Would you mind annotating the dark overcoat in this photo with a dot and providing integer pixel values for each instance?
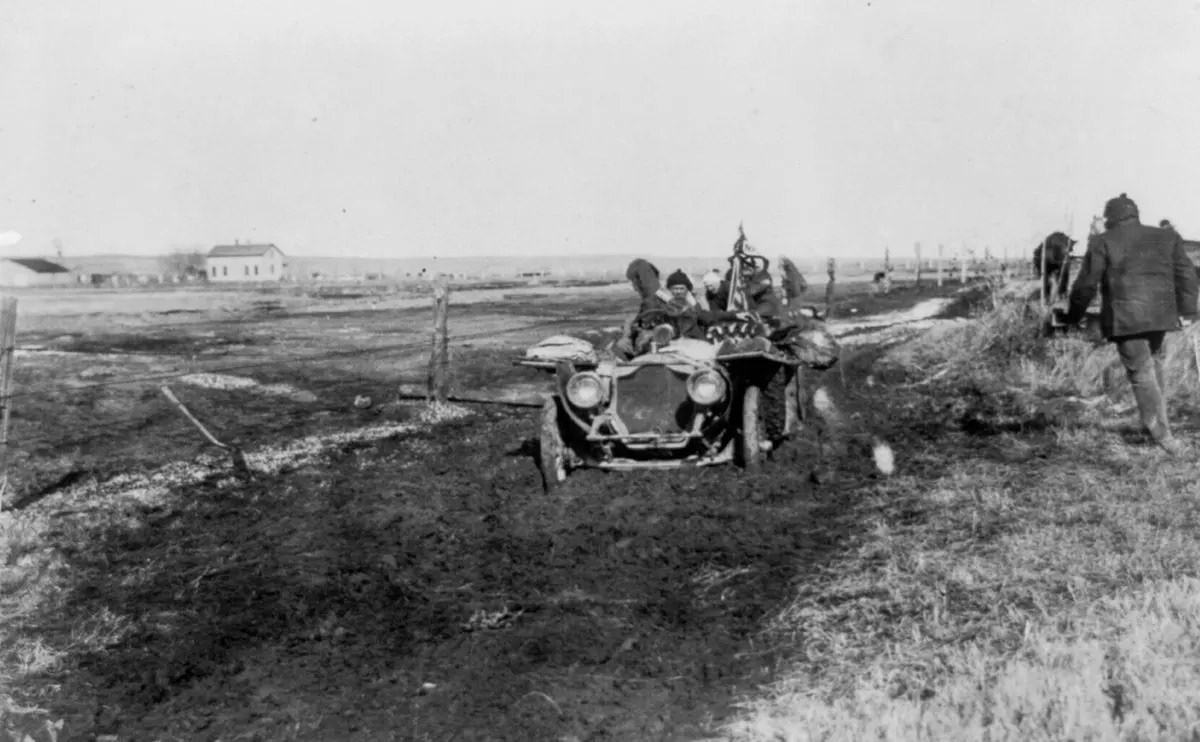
(1146, 281)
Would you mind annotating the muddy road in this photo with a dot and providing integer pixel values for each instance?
(417, 585)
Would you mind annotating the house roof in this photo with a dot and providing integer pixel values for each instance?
(37, 265)
(241, 251)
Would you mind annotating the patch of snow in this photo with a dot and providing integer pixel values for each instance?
(927, 309)
(311, 448)
(228, 381)
(899, 331)
(437, 412)
(153, 488)
(218, 381)
(885, 460)
(824, 404)
(40, 352)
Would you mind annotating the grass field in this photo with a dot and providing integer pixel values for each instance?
(1031, 575)
(395, 572)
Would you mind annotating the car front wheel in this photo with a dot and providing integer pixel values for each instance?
(753, 436)
(552, 455)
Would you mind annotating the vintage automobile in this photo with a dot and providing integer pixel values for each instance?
(668, 400)
(687, 403)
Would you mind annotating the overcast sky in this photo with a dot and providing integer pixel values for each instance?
(386, 128)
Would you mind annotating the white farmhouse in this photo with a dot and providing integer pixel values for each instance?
(238, 262)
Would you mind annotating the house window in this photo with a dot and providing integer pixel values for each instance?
(272, 268)
(256, 270)
(246, 269)
(224, 270)
(214, 271)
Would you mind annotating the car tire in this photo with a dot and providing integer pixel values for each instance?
(775, 409)
(794, 404)
(552, 454)
(752, 435)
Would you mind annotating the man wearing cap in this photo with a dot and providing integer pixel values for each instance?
(1147, 286)
(682, 306)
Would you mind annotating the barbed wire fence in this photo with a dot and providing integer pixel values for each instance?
(83, 432)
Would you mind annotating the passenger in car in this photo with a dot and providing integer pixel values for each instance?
(761, 297)
(683, 308)
(716, 291)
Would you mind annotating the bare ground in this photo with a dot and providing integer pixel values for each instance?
(404, 580)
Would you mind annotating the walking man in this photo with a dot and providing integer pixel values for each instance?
(1148, 287)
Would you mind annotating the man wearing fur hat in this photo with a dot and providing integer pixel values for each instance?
(682, 306)
(1147, 286)
(673, 306)
(680, 287)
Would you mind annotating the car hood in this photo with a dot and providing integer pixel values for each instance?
(683, 356)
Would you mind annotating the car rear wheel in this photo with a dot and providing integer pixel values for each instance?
(753, 435)
(778, 405)
(552, 455)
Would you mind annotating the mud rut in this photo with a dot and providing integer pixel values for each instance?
(448, 598)
(425, 588)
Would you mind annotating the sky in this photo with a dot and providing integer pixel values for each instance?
(390, 129)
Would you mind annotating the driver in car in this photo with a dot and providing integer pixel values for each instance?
(644, 277)
(665, 312)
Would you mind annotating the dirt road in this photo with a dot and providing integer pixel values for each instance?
(397, 574)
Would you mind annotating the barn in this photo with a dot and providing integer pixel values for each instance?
(244, 262)
(32, 272)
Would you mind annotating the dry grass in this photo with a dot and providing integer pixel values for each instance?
(24, 566)
(1013, 583)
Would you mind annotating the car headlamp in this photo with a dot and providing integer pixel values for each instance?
(706, 387)
(585, 390)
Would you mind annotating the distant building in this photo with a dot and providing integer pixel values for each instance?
(237, 262)
(20, 272)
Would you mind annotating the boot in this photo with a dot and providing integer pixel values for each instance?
(1172, 445)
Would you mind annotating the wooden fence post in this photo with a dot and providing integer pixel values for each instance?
(1042, 276)
(8, 341)
(439, 359)
(962, 264)
(831, 268)
(917, 249)
(941, 248)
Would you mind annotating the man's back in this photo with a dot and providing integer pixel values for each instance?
(1147, 285)
(1141, 271)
